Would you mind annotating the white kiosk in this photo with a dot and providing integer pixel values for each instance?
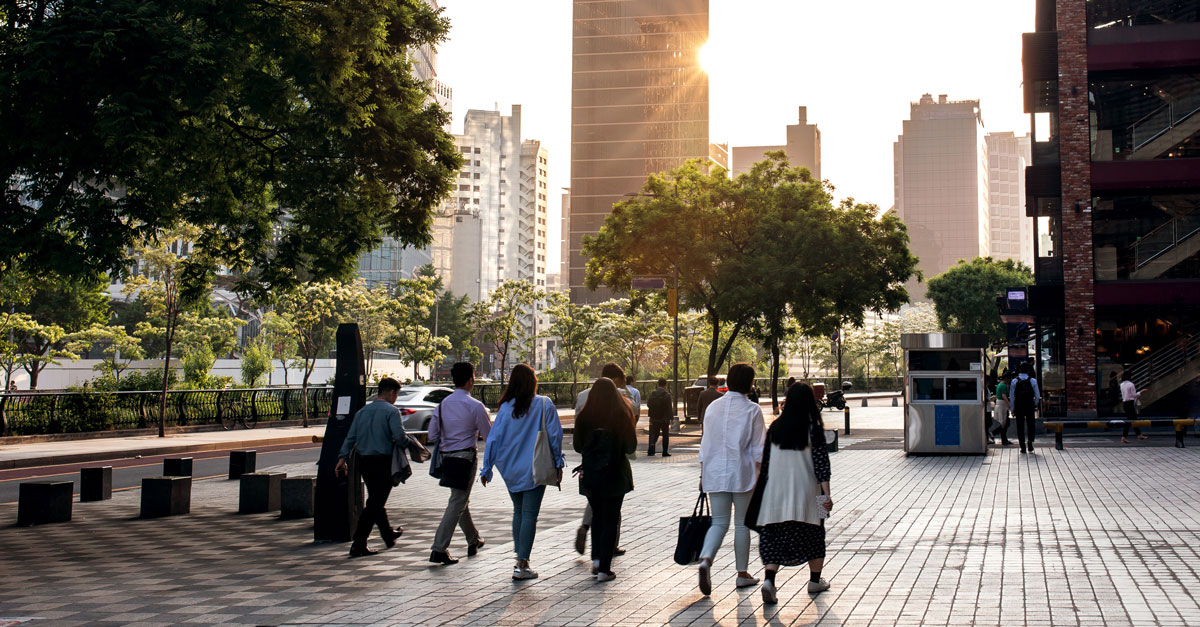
(944, 396)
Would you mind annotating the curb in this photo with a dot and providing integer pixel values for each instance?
(75, 458)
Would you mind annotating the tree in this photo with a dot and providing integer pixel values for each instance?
(370, 308)
(630, 336)
(295, 131)
(965, 295)
(500, 320)
(575, 326)
(201, 340)
(65, 306)
(450, 318)
(38, 346)
(278, 335)
(118, 347)
(409, 308)
(693, 328)
(915, 318)
(315, 311)
(256, 363)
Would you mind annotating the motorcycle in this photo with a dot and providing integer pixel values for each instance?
(837, 398)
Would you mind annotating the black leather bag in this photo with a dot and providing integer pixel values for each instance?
(692, 530)
(457, 472)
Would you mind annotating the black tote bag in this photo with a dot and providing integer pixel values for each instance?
(692, 530)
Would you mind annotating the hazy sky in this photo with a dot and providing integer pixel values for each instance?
(856, 65)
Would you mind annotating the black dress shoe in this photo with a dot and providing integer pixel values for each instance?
(474, 547)
(619, 552)
(442, 557)
(360, 551)
(390, 541)
(666, 454)
(650, 454)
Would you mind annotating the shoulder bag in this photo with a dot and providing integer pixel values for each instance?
(692, 530)
(435, 451)
(545, 470)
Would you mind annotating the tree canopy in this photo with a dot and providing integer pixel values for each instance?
(965, 295)
(294, 131)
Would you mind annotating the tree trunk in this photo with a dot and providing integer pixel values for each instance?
(172, 317)
(775, 376)
(737, 328)
(715, 322)
(304, 389)
(283, 362)
(416, 370)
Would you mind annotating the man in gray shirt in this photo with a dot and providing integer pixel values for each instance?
(376, 429)
(458, 423)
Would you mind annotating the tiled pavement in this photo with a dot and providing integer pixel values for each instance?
(1087, 536)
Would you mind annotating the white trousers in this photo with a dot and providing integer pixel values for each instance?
(723, 504)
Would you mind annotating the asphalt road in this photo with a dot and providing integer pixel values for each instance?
(128, 472)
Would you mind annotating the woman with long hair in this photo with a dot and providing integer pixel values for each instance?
(604, 436)
(792, 497)
(510, 447)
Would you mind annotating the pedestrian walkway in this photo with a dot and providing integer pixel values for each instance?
(1087, 536)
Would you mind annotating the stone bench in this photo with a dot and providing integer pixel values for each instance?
(260, 492)
(166, 496)
(241, 462)
(41, 502)
(95, 483)
(297, 496)
(177, 467)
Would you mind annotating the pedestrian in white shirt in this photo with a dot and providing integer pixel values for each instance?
(1129, 397)
(730, 454)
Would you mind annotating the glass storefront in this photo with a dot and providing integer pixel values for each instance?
(1051, 366)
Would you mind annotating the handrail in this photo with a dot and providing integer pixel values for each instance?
(1189, 105)
(1165, 360)
(1177, 235)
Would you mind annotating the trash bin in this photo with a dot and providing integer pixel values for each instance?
(944, 396)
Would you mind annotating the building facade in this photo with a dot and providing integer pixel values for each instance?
(941, 184)
(803, 148)
(1113, 88)
(1012, 232)
(639, 105)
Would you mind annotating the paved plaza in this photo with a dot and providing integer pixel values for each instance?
(1094, 535)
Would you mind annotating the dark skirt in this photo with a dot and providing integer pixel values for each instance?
(791, 543)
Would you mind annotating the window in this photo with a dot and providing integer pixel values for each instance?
(961, 389)
(476, 188)
(436, 396)
(928, 389)
(476, 175)
(477, 163)
(476, 151)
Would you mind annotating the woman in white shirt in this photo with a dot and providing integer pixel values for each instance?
(791, 499)
(730, 453)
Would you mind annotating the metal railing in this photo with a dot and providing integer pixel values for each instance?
(1162, 119)
(1165, 360)
(1162, 239)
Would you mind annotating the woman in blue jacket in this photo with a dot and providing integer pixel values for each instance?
(510, 448)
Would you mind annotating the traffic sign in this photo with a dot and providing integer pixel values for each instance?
(649, 283)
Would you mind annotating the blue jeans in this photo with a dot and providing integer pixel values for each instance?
(526, 506)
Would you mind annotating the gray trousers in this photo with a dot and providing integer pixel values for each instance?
(458, 514)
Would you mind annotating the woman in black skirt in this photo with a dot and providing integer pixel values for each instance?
(792, 498)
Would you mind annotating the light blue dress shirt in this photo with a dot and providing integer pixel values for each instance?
(510, 444)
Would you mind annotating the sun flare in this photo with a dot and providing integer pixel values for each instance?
(709, 59)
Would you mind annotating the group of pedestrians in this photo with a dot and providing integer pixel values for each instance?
(774, 481)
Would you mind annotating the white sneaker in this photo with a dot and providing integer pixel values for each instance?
(746, 582)
(595, 568)
(606, 576)
(817, 586)
(520, 574)
(768, 592)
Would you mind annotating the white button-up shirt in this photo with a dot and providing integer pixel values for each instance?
(732, 444)
(1129, 391)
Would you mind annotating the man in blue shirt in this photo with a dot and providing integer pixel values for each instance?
(458, 423)
(375, 431)
(1023, 399)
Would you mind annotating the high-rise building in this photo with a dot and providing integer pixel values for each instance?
(803, 148)
(533, 219)
(639, 105)
(1012, 233)
(941, 181)
(392, 260)
(1114, 94)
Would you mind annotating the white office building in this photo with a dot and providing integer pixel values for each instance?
(1012, 232)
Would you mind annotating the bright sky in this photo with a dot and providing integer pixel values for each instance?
(856, 65)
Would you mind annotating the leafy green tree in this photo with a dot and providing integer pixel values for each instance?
(202, 339)
(119, 348)
(965, 295)
(693, 329)
(450, 318)
(278, 335)
(575, 326)
(501, 319)
(370, 307)
(37, 345)
(64, 306)
(409, 309)
(295, 131)
(256, 363)
(314, 310)
(632, 337)
(915, 318)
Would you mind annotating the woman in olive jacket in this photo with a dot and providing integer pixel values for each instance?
(604, 436)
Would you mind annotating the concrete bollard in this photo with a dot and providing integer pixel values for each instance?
(166, 496)
(95, 483)
(241, 462)
(259, 492)
(895, 401)
(864, 401)
(41, 502)
(296, 496)
(177, 467)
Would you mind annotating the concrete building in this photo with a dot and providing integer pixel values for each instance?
(1114, 96)
(1012, 232)
(803, 148)
(639, 104)
(941, 184)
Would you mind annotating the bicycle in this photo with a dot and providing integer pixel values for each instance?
(232, 411)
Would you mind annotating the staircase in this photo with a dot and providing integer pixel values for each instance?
(1165, 247)
(1167, 369)
(1167, 127)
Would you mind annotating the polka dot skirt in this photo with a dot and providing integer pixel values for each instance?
(791, 543)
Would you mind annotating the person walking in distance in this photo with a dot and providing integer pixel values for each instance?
(661, 408)
(730, 453)
(458, 423)
(792, 496)
(604, 436)
(1000, 414)
(635, 398)
(707, 395)
(1023, 395)
(510, 447)
(614, 373)
(1129, 401)
(374, 432)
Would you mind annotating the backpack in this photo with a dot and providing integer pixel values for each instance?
(1023, 399)
(598, 458)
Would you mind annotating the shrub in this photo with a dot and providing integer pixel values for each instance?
(256, 363)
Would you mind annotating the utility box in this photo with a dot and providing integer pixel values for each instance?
(944, 398)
